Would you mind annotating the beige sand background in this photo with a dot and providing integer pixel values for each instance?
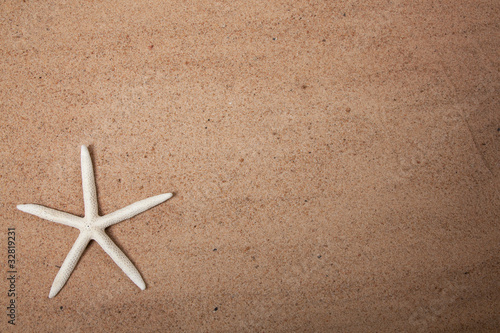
(335, 163)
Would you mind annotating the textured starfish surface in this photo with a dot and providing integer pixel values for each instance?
(92, 226)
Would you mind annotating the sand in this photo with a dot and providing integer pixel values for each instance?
(335, 164)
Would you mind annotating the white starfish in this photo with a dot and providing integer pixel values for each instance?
(92, 226)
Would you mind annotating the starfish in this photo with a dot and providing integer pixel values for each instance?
(92, 226)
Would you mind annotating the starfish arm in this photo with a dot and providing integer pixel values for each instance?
(119, 258)
(69, 263)
(52, 215)
(131, 210)
(88, 184)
